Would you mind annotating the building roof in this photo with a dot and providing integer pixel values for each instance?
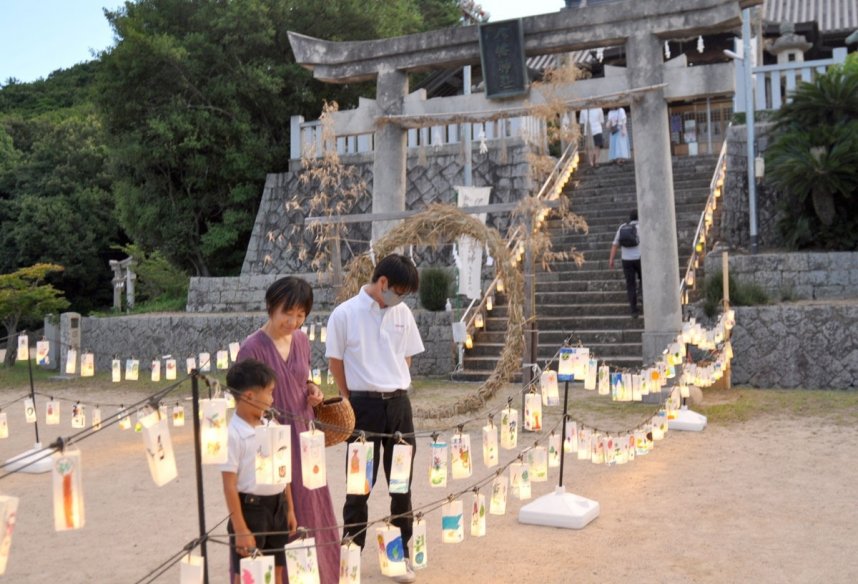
(830, 15)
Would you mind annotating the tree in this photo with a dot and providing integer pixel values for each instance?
(24, 296)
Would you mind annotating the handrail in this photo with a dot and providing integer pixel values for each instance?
(716, 185)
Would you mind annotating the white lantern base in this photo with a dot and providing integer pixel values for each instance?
(560, 509)
(687, 421)
(24, 461)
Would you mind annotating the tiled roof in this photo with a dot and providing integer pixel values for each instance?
(830, 15)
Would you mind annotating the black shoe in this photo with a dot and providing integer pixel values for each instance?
(635, 315)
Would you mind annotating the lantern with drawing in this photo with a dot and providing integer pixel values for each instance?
(452, 530)
(592, 373)
(532, 412)
(460, 464)
(155, 367)
(191, 569)
(584, 443)
(537, 458)
(438, 469)
(116, 370)
(391, 550)
(132, 369)
(357, 481)
(52, 412)
(490, 444)
(87, 365)
(604, 381)
(419, 549)
(222, 359)
(68, 490)
(509, 428)
(497, 504)
(257, 568)
(313, 471)
(302, 562)
(71, 361)
(178, 415)
(400, 469)
(597, 449)
(8, 516)
(273, 454)
(478, 515)
(519, 480)
(213, 431)
(24, 348)
(554, 450)
(205, 362)
(78, 419)
(170, 369)
(548, 384)
(565, 371)
(30, 410)
(349, 563)
(159, 448)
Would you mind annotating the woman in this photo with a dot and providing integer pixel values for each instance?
(282, 345)
(619, 150)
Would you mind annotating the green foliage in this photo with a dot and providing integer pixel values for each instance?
(25, 297)
(436, 285)
(156, 277)
(741, 293)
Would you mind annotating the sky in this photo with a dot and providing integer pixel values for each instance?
(38, 37)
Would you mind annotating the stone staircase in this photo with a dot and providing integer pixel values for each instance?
(590, 302)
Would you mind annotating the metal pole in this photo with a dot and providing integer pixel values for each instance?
(749, 124)
(198, 463)
(469, 168)
(563, 437)
(32, 391)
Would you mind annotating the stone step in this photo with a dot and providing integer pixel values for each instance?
(556, 337)
(614, 219)
(478, 368)
(613, 285)
(628, 182)
(547, 349)
(616, 209)
(616, 319)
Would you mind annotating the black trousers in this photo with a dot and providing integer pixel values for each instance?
(384, 416)
(632, 271)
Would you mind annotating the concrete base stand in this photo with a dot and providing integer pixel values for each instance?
(687, 420)
(22, 461)
(560, 509)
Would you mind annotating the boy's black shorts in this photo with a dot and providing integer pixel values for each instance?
(597, 140)
(263, 514)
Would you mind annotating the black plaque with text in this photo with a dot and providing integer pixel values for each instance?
(502, 56)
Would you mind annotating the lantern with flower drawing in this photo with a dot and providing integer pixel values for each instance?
(159, 448)
(68, 490)
(313, 471)
(597, 449)
(400, 469)
(478, 515)
(497, 504)
(532, 412)
(460, 451)
(302, 562)
(357, 482)
(257, 568)
(452, 530)
(273, 454)
(570, 440)
(554, 452)
(548, 384)
(490, 444)
(608, 443)
(8, 516)
(519, 480)
(438, 469)
(537, 459)
(391, 550)
(509, 428)
(213, 431)
(419, 549)
(350, 563)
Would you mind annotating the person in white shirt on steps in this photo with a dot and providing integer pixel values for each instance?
(628, 239)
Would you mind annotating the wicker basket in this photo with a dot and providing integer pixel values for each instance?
(336, 411)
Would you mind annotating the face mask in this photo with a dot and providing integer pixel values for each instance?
(390, 297)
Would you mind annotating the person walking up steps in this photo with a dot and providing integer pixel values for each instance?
(628, 238)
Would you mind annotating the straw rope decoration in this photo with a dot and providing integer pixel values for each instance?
(438, 225)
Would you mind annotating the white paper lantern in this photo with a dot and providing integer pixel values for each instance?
(302, 561)
(87, 365)
(460, 451)
(532, 412)
(438, 468)
(52, 412)
(597, 449)
(636, 387)
(190, 364)
(537, 458)
(233, 351)
(24, 348)
(273, 454)
(357, 467)
(317, 376)
(478, 320)
(8, 517)
(43, 349)
(519, 480)
(592, 372)
(400, 468)
(96, 418)
(349, 563)
(116, 370)
(78, 419)
(313, 471)
(323, 334)
(132, 368)
(497, 504)
(178, 415)
(478, 515)
(68, 490)
(71, 361)
(156, 370)
(570, 440)
(29, 411)
(159, 448)
(604, 381)
(124, 418)
(490, 445)
(4, 425)
(452, 530)
(554, 450)
(565, 371)
(391, 550)
(627, 387)
(584, 444)
(580, 363)
(550, 391)
(205, 362)
(419, 547)
(509, 428)
(608, 443)
(214, 434)
(222, 359)
(256, 569)
(191, 569)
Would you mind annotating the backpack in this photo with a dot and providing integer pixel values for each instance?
(629, 235)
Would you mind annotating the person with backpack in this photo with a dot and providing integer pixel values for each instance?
(628, 239)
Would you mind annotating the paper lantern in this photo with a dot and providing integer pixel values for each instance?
(302, 561)
(532, 412)
(132, 368)
(357, 481)
(349, 563)
(233, 351)
(317, 376)
(214, 434)
(597, 449)
(509, 428)
(608, 443)
(124, 418)
(159, 448)
(391, 551)
(23, 348)
(330, 380)
(313, 472)
(660, 422)
(96, 418)
(222, 359)
(438, 470)
(636, 387)
(592, 372)
(323, 334)
(205, 362)
(490, 445)
(490, 302)
(68, 490)
(400, 469)
(452, 530)
(305, 329)
(565, 371)
(156, 370)
(570, 440)
(548, 385)
(78, 419)
(178, 415)
(469, 342)
(273, 454)
(190, 364)
(499, 287)
(419, 548)
(162, 410)
(584, 444)
(554, 450)
(30, 410)
(580, 363)
(478, 515)
(626, 394)
(4, 425)
(258, 568)
(52, 412)
(71, 361)
(616, 385)
(43, 349)
(312, 335)
(460, 456)
(497, 504)
(191, 569)
(478, 320)
(8, 517)
(537, 459)
(604, 381)
(519, 480)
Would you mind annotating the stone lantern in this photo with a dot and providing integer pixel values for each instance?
(789, 47)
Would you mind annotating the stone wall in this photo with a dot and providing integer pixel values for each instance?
(146, 337)
(247, 293)
(812, 346)
(795, 276)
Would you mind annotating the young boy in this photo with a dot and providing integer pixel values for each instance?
(253, 508)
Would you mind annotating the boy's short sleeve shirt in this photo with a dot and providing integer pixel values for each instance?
(241, 459)
(628, 253)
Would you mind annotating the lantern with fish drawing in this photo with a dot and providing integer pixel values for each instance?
(452, 530)
(391, 550)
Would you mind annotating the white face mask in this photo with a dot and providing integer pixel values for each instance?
(390, 297)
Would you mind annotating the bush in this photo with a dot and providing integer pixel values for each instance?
(741, 293)
(435, 287)
(157, 278)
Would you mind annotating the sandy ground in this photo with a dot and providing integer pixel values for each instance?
(769, 500)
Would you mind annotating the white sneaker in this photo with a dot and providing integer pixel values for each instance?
(409, 575)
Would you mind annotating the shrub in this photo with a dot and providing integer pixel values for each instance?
(741, 293)
(435, 287)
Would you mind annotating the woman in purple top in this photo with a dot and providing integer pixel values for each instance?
(282, 345)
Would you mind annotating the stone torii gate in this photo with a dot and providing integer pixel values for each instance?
(648, 83)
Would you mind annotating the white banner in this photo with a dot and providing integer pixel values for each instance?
(470, 250)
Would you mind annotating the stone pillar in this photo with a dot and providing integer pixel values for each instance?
(388, 168)
(656, 209)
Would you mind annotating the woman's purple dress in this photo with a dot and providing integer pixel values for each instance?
(313, 507)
